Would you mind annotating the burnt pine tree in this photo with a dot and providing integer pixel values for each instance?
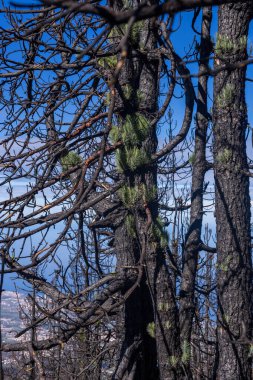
(128, 57)
(232, 201)
(200, 166)
(150, 339)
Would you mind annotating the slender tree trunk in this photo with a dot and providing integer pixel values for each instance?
(234, 267)
(193, 238)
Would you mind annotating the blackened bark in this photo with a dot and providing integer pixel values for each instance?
(138, 358)
(138, 351)
(234, 267)
(193, 238)
(166, 317)
(151, 344)
(165, 312)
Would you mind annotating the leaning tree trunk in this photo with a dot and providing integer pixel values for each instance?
(232, 201)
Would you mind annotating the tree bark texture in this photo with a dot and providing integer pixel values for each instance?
(145, 354)
(193, 237)
(234, 267)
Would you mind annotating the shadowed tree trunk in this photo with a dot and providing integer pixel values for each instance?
(150, 338)
(234, 267)
(193, 237)
(138, 359)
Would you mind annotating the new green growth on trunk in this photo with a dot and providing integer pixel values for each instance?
(226, 96)
(186, 352)
(70, 160)
(134, 34)
(130, 225)
(151, 329)
(133, 132)
(192, 159)
(225, 156)
(160, 233)
(131, 159)
(108, 62)
(131, 195)
(225, 46)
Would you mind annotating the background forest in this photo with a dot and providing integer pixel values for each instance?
(125, 207)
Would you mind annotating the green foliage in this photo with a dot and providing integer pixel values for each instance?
(130, 225)
(148, 194)
(160, 233)
(173, 360)
(70, 160)
(131, 158)
(225, 156)
(250, 350)
(225, 46)
(136, 158)
(130, 94)
(82, 336)
(226, 96)
(167, 325)
(135, 32)
(129, 195)
(135, 129)
(151, 329)
(132, 133)
(108, 62)
(186, 352)
(127, 4)
(225, 318)
(224, 266)
(192, 159)
(107, 98)
(121, 160)
(163, 306)
(114, 33)
(128, 91)
(114, 134)
(139, 96)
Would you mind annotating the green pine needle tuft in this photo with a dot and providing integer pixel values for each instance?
(135, 129)
(151, 329)
(70, 160)
(186, 352)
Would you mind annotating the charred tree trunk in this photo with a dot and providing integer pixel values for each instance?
(137, 80)
(234, 267)
(193, 238)
(150, 346)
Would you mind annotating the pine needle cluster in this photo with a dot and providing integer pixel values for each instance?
(160, 233)
(130, 196)
(225, 46)
(226, 96)
(70, 160)
(134, 130)
(132, 133)
(108, 62)
(131, 159)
